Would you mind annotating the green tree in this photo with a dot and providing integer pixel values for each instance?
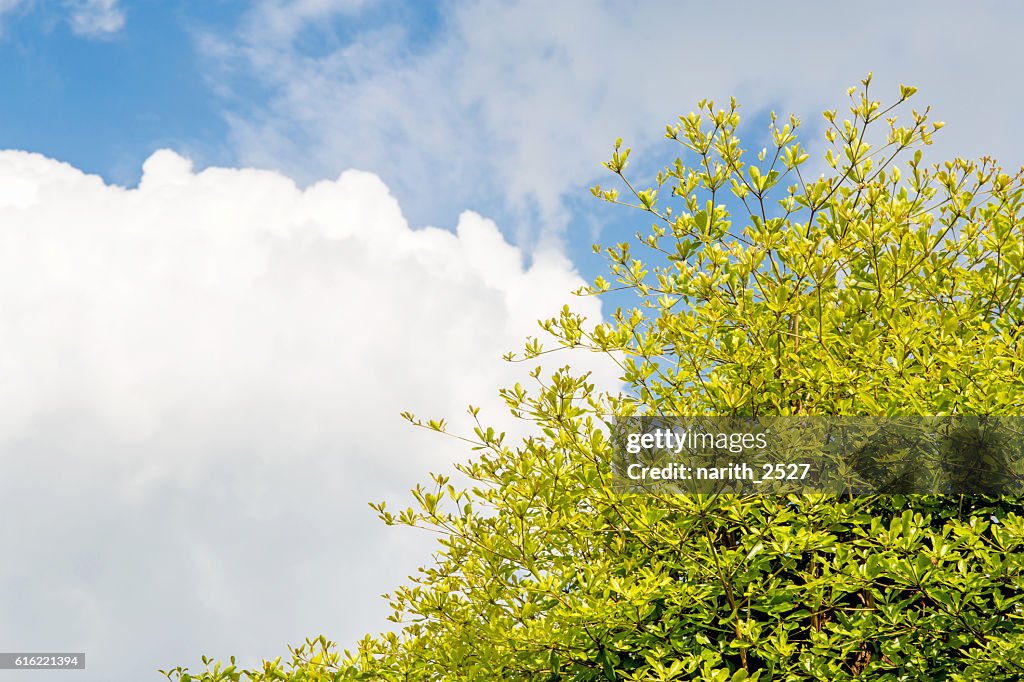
(884, 287)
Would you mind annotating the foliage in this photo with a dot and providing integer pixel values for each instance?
(871, 290)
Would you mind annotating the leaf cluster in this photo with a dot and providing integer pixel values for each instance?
(870, 290)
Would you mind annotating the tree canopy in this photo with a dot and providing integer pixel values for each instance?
(883, 287)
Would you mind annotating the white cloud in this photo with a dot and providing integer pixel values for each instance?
(276, 21)
(95, 18)
(201, 381)
(519, 102)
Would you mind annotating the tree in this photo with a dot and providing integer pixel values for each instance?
(874, 289)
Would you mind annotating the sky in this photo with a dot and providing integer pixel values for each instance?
(237, 239)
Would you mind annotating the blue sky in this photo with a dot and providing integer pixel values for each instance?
(104, 103)
(237, 239)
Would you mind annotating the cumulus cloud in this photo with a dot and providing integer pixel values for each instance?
(517, 103)
(201, 385)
